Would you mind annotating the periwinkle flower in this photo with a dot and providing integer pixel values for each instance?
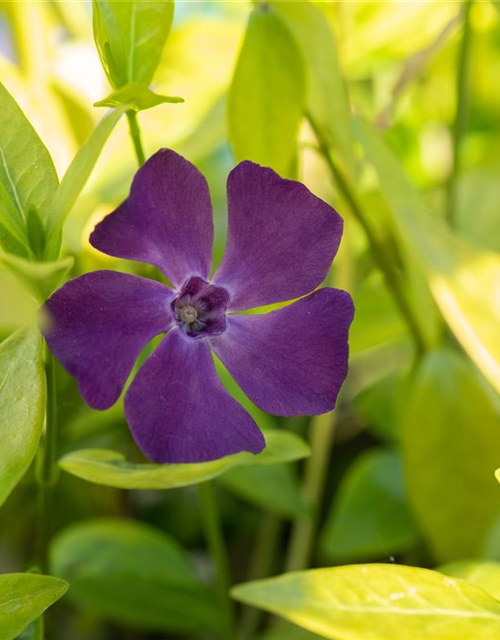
(291, 361)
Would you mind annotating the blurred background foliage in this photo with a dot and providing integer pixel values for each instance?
(405, 470)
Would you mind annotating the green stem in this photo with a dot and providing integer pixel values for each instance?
(322, 431)
(135, 134)
(215, 540)
(461, 112)
(261, 565)
(47, 469)
(380, 255)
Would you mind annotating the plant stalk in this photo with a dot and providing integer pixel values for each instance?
(211, 521)
(135, 134)
(380, 256)
(461, 112)
(322, 430)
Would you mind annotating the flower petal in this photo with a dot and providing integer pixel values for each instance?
(178, 410)
(166, 221)
(292, 361)
(281, 238)
(98, 325)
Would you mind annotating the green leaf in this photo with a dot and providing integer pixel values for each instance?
(23, 598)
(267, 93)
(110, 468)
(28, 178)
(482, 574)
(22, 405)
(132, 574)
(130, 37)
(40, 278)
(378, 602)
(272, 488)
(450, 446)
(327, 100)
(370, 517)
(463, 280)
(75, 178)
(137, 97)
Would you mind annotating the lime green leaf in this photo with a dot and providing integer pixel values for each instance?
(370, 518)
(130, 37)
(130, 573)
(267, 93)
(23, 598)
(75, 178)
(378, 602)
(40, 278)
(450, 449)
(483, 574)
(464, 281)
(110, 468)
(27, 174)
(22, 405)
(137, 97)
(327, 101)
(274, 488)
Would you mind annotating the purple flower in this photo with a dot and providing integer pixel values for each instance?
(281, 241)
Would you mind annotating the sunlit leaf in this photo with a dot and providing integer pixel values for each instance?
(481, 573)
(28, 178)
(378, 602)
(465, 282)
(40, 278)
(75, 178)
(24, 597)
(327, 101)
(273, 488)
(130, 573)
(450, 444)
(22, 405)
(137, 97)
(370, 517)
(130, 37)
(267, 93)
(110, 468)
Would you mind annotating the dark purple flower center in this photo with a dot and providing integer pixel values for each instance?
(200, 308)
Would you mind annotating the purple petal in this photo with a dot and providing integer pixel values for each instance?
(98, 325)
(281, 238)
(166, 221)
(292, 361)
(178, 410)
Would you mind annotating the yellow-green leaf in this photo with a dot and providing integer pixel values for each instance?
(137, 97)
(378, 602)
(483, 574)
(110, 468)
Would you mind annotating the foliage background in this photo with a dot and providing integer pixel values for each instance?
(404, 471)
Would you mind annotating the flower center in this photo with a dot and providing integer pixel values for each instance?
(200, 308)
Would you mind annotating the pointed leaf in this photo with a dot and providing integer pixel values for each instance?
(378, 602)
(110, 468)
(40, 278)
(23, 598)
(267, 93)
(22, 405)
(137, 97)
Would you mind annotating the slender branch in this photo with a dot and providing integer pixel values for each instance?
(380, 256)
(461, 113)
(322, 431)
(213, 533)
(47, 471)
(135, 134)
(261, 566)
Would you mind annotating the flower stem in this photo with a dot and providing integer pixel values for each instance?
(380, 256)
(461, 112)
(215, 540)
(322, 430)
(135, 134)
(46, 476)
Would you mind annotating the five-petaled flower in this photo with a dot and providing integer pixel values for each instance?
(290, 361)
